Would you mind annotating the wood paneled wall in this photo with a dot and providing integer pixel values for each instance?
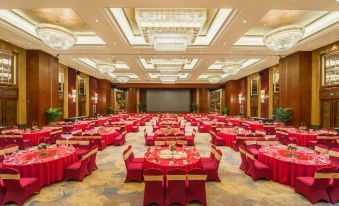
(203, 100)
(295, 86)
(71, 86)
(42, 85)
(242, 89)
(131, 106)
(104, 96)
(93, 89)
(231, 97)
(264, 75)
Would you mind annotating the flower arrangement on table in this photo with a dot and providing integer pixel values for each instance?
(35, 126)
(291, 150)
(42, 146)
(172, 147)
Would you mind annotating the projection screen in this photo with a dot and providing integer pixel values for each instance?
(168, 100)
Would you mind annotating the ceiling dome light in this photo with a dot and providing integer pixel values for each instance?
(56, 37)
(122, 79)
(283, 38)
(232, 69)
(214, 79)
(105, 68)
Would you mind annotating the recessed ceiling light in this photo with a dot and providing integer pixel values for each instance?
(224, 43)
(97, 20)
(29, 43)
(244, 21)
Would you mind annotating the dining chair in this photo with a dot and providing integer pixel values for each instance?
(212, 167)
(321, 149)
(333, 190)
(334, 156)
(78, 170)
(18, 189)
(134, 169)
(154, 192)
(256, 169)
(196, 189)
(175, 187)
(92, 165)
(244, 164)
(315, 188)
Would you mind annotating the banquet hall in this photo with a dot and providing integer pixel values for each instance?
(130, 103)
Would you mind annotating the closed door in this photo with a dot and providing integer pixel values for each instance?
(330, 114)
(8, 112)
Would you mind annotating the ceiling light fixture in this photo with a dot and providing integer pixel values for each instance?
(283, 38)
(214, 79)
(105, 68)
(122, 79)
(56, 37)
(232, 69)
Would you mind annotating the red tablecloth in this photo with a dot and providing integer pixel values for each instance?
(285, 171)
(34, 136)
(46, 165)
(229, 137)
(107, 136)
(129, 125)
(152, 160)
(303, 138)
(221, 118)
(81, 125)
(102, 121)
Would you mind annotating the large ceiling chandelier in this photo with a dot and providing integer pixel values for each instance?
(170, 29)
(122, 79)
(169, 61)
(168, 79)
(169, 70)
(283, 38)
(232, 69)
(56, 37)
(214, 79)
(105, 68)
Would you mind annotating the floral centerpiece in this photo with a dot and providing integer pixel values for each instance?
(34, 126)
(291, 150)
(42, 146)
(172, 147)
(101, 128)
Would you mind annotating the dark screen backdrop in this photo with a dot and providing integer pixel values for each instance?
(168, 100)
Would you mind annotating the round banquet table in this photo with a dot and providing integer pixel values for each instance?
(285, 169)
(153, 160)
(35, 136)
(46, 165)
(303, 138)
(229, 137)
(129, 125)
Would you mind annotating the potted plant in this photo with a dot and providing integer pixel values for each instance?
(142, 107)
(284, 115)
(110, 110)
(195, 107)
(225, 111)
(52, 115)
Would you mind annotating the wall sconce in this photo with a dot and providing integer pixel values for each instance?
(95, 98)
(241, 98)
(262, 95)
(74, 95)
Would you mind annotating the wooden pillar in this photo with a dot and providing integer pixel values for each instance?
(231, 97)
(295, 86)
(42, 85)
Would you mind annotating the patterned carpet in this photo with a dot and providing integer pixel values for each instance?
(106, 187)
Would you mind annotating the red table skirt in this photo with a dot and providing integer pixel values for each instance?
(47, 172)
(149, 165)
(303, 139)
(35, 136)
(109, 138)
(228, 138)
(285, 172)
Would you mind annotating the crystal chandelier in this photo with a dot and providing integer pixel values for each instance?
(169, 70)
(214, 79)
(122, 79)
(169, 61)
(105, 68)
(283, 38)
(170, 29)
(56, 37)
(232, 69)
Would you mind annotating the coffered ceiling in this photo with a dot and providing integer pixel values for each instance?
(119, 32)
